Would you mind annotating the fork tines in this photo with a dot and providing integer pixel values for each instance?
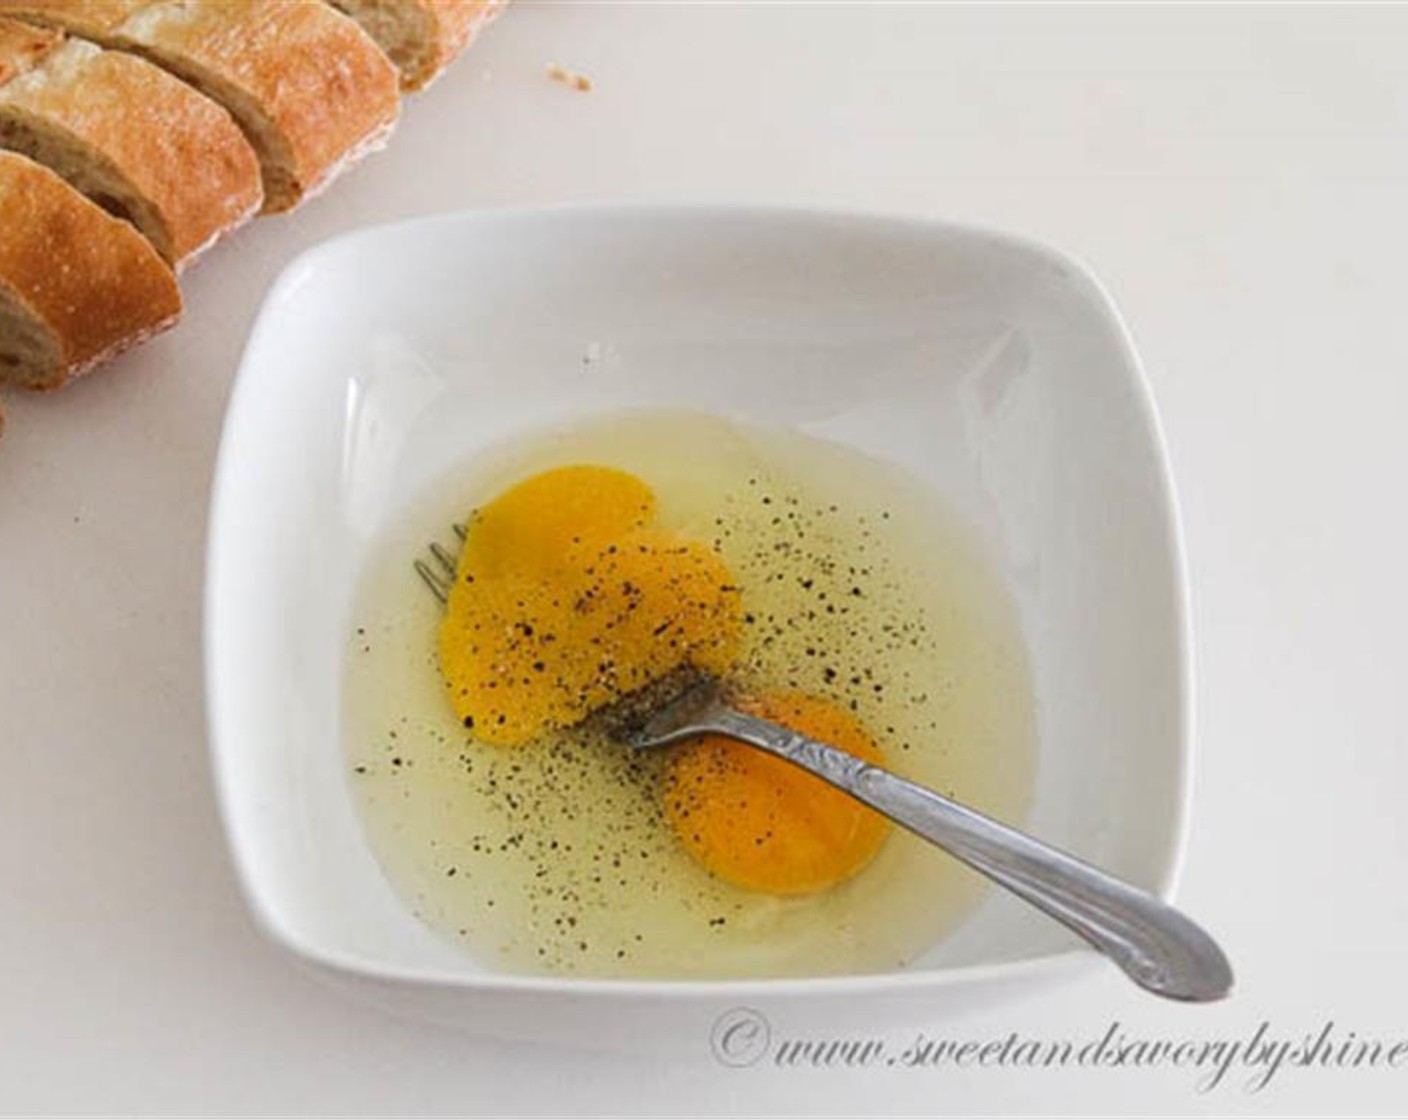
(439, 576)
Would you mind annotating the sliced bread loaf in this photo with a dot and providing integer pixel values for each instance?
(310, 89)
(90, 18)
(421, 36)
(77, 285)
(142, 144)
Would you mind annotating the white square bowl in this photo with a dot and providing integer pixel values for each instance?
(993, 368)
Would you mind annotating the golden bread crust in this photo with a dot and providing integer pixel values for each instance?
(23, 46)
(93, 19)
(422, 37)
(310, 72)
(88, 279)
(177, 149)
(309, 88)
(456, 23)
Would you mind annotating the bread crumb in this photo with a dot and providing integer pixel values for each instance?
(580, 82)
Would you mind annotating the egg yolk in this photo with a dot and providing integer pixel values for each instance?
(535, 526)
(758, 821)
(566, 597)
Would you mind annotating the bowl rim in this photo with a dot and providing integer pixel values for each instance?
(1050, 965)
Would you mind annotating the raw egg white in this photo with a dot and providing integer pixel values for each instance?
(830, 590)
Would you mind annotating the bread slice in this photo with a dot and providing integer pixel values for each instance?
(310, 89)
(77, 285)
(90, 18)
(142, 144)
(22, 46)
(421, 36)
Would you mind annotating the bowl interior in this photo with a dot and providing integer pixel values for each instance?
(993, 369)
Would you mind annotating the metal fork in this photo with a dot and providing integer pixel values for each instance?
(1158, 947)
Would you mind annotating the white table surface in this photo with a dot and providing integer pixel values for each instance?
(1237, 177)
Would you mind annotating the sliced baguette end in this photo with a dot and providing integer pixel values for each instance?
(77, 286)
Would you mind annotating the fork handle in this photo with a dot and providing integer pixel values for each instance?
(1158, 947)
